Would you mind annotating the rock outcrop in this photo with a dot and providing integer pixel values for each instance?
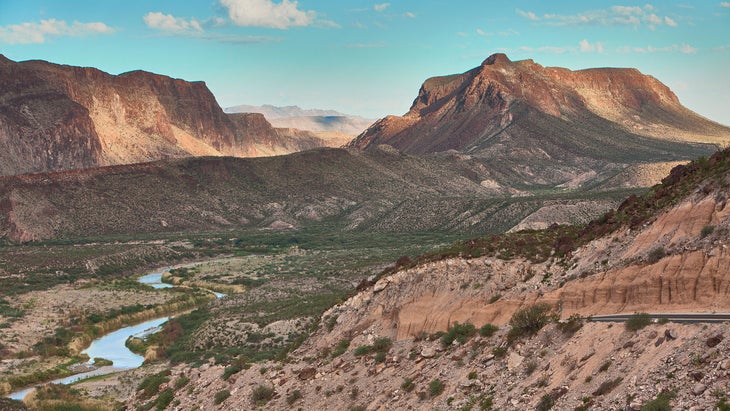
(546, 125)
(55, 117)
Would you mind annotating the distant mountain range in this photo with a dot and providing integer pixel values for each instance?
(505, 145)
(308, 119)
(55, 117)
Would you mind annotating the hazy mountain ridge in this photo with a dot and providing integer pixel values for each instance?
(308, 119)
(55, 117)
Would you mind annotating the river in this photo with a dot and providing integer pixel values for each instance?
(112, 345)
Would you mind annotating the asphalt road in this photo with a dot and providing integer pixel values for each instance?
(673, 317)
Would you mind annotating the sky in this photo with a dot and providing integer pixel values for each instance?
(369, 58)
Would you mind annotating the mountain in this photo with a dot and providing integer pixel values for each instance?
(55, 117)
(549, 126)
(378, 190)
(476, 326)
(308, 119)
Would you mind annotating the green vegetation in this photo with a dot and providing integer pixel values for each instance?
(488, 330)
(638, 321)
(546, 402)
(529, 320)
(340, 348)
(150, 386)
(408, 385)
(571, 325)
(707, 230)
(435, 388)
(262, 394)
(660, 403)
(293, 397)
(459, 333)
(607, 386)
(221, 396)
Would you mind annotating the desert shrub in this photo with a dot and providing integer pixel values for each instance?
(472, 375)
(499, 352)
(458, 332)
(181, 382)
(546, 403)
(221, 396)
(151, 384)
(382, 344)
(530, 367)
(655, 255)
(707, 230)
(435, 388)
(340, 348)
(363, 350)
(488, 330)
(638, 321)
(660, 403)
(571, 325)
(295, 395)
(379, 357)
(604, 366)
(529, 320)
(408, 385)
(607, 386)
(493, 299)
(262, 394)
(164, 399)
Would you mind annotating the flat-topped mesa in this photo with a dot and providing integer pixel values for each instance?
(57, 117)
(502, 101)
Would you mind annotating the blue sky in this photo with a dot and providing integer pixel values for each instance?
(370, 57)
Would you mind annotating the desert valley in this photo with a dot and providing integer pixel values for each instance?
(523, 238)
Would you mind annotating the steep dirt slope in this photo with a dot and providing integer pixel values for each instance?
(55, 117)
(549, 126)
(664, 252)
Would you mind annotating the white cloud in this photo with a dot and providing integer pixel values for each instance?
(168, 22)
(612, 16)
(27, 33)
(410, 15)
(266, 13)
(725, 4)
(482, 32)
(381, 6)
(366, 45)
(674, 48)
(584, 46)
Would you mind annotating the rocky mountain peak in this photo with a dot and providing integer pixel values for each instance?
(497, 59)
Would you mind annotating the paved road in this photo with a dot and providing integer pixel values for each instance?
(673, 317)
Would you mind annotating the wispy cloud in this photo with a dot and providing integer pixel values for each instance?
(674, 48)
(584, 46)
(28, 33)
(725, 4)
(614, 16)
(381, 6)
(168, 22)
(409, 14)
(266, 13)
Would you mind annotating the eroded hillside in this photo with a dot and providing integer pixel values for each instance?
(412, 339)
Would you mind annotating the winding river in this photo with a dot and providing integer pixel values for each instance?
(112, 345)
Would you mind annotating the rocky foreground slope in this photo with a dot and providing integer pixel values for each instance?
(55, 117)
(549, 126)
(403, 342)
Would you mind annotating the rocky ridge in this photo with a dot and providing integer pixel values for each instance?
(549, 126)
(573, 364)
(55, 117)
